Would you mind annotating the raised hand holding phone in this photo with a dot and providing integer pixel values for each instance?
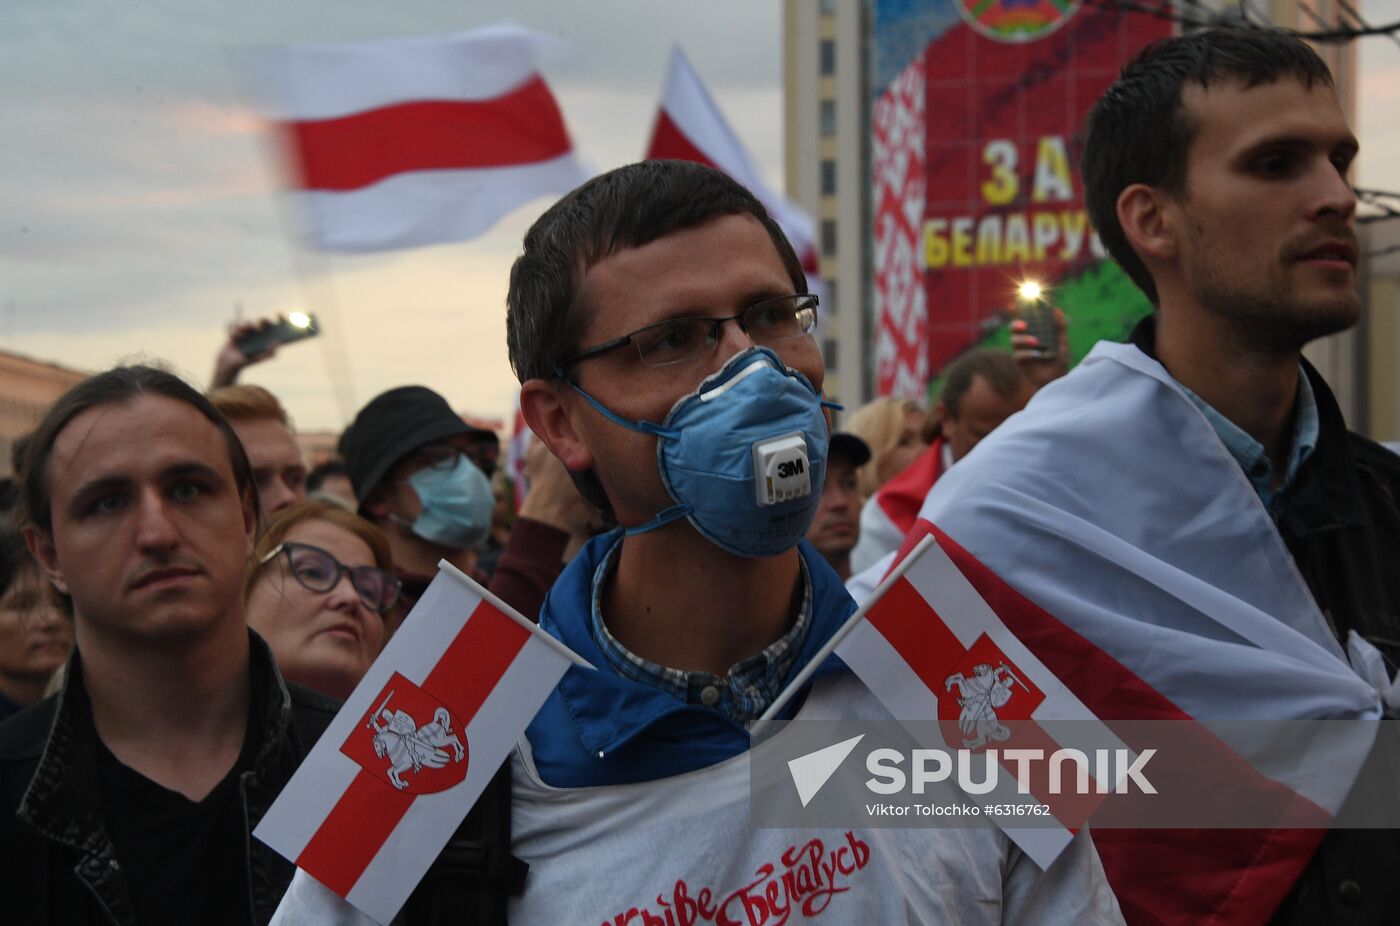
(255, 341)
(1039, 336)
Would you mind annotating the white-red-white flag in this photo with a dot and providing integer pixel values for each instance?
(415, 745)
(931, 649)
(413, 141)
(690, 127)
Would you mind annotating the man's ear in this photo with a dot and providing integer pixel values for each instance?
(550, 418)
(1145, 214)
(41, 547)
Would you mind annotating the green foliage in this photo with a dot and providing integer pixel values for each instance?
(1102, 305)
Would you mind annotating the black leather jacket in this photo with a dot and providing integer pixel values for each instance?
(59, 866)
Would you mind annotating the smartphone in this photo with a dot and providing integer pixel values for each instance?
(295, 327)
(1039, 317)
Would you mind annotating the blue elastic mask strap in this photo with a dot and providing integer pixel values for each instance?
(663, 517)
(834, 406)
(645, 427)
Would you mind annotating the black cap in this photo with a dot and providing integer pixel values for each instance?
(850, 447)
(391, 426)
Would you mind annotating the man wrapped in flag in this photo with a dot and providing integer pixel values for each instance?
(660, 325)
(1183, 527)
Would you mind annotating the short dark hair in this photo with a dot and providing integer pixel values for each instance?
(1138, 132)
(117, 386)
(623, 208)
(995, 366)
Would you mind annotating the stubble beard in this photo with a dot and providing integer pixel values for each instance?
(1271, 317)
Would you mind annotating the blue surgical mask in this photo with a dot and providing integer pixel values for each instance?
(743, 456)
(457, 504)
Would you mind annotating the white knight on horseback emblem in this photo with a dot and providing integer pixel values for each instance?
(989, 688)
(409, 747)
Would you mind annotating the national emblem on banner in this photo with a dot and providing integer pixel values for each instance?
(410, 756)
(1016, 20)
(415, 745)
(990, 693)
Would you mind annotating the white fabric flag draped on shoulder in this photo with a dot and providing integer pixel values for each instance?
(415, 745)
(1118, 539)
(406, 142)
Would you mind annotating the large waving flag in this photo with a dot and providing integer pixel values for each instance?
(690, 127)
(413, 141)
(415, 745)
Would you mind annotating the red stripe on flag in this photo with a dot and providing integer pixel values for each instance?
(466, 673)
(909, 623)
(912, 626)
(1070, 807)
(903, 496)
(353, 831)
(473, 664)
(523, 126)
(1163, 876)
(668, 142)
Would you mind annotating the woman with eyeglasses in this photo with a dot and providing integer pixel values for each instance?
(320, 584)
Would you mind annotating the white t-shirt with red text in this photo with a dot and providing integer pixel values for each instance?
(680, 851)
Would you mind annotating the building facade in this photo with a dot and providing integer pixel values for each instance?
(827, 132)
(27, 388)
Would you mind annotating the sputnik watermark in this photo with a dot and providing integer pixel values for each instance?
(1063, 771)
(1129, 774)
(931, 766)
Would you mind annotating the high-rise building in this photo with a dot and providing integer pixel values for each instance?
(826, 66)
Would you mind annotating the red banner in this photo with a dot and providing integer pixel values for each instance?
(1005, 92)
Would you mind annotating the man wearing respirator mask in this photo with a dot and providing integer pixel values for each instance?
(660, 325)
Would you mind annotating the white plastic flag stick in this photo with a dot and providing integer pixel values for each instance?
(534, 628)
(810, 668)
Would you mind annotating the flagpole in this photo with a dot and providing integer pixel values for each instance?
(312, 272)
(829, 647)
(476, 588)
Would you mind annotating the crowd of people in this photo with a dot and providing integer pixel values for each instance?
(184, 603)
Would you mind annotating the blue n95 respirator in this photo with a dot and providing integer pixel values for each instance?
(743, 456)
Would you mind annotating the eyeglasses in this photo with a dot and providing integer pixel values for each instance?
(318, 571)
(438, 456)
(675, 340)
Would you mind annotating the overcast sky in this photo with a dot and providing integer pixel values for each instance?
(137, 191)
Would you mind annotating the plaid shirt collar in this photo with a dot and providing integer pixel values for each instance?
(742, 694)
